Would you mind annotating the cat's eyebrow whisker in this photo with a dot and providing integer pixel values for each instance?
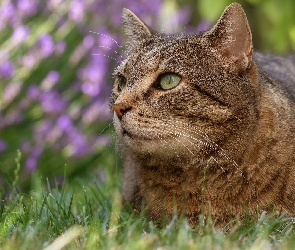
(106, 56)
(106, 47)
(100, 34)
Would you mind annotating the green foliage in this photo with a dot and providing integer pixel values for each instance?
(88, 215)
(82, 209)
(272, 21)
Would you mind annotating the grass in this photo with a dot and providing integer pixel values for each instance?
(87, 214)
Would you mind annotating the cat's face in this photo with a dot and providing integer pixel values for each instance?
(181, 96)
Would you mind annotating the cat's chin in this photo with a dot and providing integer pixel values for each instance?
(163, 148)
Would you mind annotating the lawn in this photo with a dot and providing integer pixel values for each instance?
(87, 214)
(60, 171)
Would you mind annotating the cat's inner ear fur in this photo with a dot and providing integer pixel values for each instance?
(232, 37)
(135, 30)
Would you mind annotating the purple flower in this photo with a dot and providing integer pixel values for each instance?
(90, 89)
(29, 61)
(80, 145)
(103, 140)
(95, 70)
(203, 26)
(60, 47)
(13, 117)
(28, 7)
(20, 34)
(65, 122)
(53, 76)
(52, 102)
(50, 80)
(7, 14)
(99, 110)
(26, 146)
(3, 145)
(11, 91)
(106, 39)
(33, 92)
(44, 128)
(76, 11)
(88, 42)
(31, 163)
(6, 69)
(46, 45)
(54, 4)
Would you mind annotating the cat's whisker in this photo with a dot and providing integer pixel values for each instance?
(168, 144)
(106, 56)
(106, 127)
(207, 144)
(112, 39)
(106, 47)
(183, 144)
(184, 125)
(237, 118)
(212, 144)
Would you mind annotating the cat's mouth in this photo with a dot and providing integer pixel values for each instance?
(133, 136)
(126, 133)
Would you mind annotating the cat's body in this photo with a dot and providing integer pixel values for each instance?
(222, 139)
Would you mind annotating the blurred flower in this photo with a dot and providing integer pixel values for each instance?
(105, 39)
(6, 69)
(53, 4)
(78, 55)
(103, 140)
(99, 110)
(28, 7)
(76, 11)
(13, 117)
(7, 14)
(31, 163)
(52, 102)
(64, 122)
(90, 89)
(50, 80)
(203, 26)
(26, 146)
(46, 45)
(29, 61)
(33, 92)
(60, 47)
(3, 145)
(88, 42)
(11, 91)
(20, 34)
(61, 115)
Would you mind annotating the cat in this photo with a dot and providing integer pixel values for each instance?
(205, 125)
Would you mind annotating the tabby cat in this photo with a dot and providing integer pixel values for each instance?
(204, 124)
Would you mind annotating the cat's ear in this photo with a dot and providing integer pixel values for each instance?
(232, 37)
(135, 30)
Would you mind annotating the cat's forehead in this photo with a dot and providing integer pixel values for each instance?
(159, 50)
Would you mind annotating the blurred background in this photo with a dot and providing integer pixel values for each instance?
(56, 61)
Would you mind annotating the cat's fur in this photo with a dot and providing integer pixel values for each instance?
(223, 139)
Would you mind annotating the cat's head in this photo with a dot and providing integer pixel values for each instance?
(184, 95)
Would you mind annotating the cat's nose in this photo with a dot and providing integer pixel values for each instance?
(120, 109)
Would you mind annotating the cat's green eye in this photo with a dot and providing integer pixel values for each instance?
(121, 83)
(169, 81)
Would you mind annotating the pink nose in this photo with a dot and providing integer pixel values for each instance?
(120, 109)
